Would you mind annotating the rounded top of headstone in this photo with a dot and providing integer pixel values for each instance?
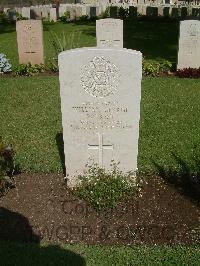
(98, 50)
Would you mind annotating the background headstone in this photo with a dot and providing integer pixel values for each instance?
(30, 41)
(109, 33)
(12, 15)
(26, 12)
(114, 11)
(176, 12)
(93, 11)
(152, 11)
(196, 12)
(53, 14)
(189, 44)
(45, 12)
(132, 12)
(166, 11)
(62, 11)
(100, 102)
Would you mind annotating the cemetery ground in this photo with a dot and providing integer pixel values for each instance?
(164, 212)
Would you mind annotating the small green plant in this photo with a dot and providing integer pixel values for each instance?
(52, 66)
(166, 66)
(62, 43)
(66, 17)
(106, 13)
(150, 69)
(155, 69)
(103, 189)
(19, 16)
(28, 70)
(6, 167)
(83, 18)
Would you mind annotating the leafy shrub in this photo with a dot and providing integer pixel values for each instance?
(150, 69)
(28, 69)
(19, 17)
(188, 73)
(52, 66)
(154, 69)
(6, 167)
(66, 17)
(5, 66)
(104, 189)
(83, 18)
(106, 13)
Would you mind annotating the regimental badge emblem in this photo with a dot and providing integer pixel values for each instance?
(100, 78)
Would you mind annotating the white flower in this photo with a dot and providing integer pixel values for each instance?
(5, 66)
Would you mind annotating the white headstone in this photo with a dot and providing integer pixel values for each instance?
(73, 12)
(109, 33)
(26, 12)
(78, 11)
(45, 12)
(53, 14)
(62, 11)
(30, 41)
(189, 44)
(5, 10)
(100, 100)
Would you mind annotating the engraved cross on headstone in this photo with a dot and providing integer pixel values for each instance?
(30, 41)
(100, 147)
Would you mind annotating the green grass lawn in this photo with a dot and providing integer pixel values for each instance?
(80, 255)
(30, 119)
(157, 40)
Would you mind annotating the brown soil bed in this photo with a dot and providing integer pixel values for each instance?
(40, 208)
(49, 73)
(43, 74)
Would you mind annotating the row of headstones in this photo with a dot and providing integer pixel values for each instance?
(76, 11)
(52, 14)
(154, 11)
(100, 93)
(127, 3)
(109, 33)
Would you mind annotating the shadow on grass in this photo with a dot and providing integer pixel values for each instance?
(156, 38)
(16, 232)
(186, 179)
(7, 27)
(60, 146)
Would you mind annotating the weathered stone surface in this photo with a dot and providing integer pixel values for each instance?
(100, 101)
